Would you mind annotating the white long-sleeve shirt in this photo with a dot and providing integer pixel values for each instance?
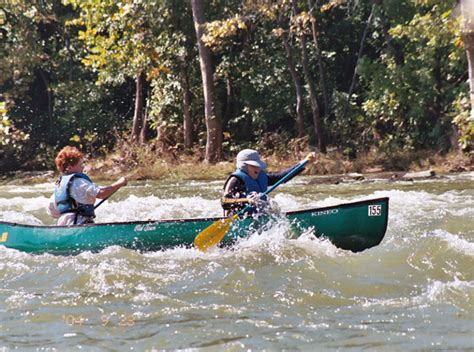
(83, 192)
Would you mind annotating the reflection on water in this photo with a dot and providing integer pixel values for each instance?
(414, 291)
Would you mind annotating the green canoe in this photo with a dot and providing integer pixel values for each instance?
(352, 226)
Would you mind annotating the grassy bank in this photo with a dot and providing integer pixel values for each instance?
(147, 166)
(144, 164)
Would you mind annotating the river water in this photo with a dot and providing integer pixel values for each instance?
(415, 291)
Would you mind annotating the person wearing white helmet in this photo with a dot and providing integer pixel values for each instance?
(245, 185)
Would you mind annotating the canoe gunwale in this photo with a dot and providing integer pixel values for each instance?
(295, 212)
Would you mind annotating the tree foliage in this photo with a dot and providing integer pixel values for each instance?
(68, 70)
(410, 103)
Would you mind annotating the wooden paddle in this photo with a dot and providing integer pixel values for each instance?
(215, 232)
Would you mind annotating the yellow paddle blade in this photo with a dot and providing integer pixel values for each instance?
(213, 234)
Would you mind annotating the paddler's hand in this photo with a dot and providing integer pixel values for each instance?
(311, 157)
(122, 181)
(254, 198)
(106, 192)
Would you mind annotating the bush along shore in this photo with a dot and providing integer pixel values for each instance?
(332, 167)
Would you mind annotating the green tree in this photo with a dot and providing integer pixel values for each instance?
(410, 103)
(49, 94)
(128, 40)
(119, 41)
(464, 121)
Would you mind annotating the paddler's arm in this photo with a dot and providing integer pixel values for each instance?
(274, 177)
(107, 191)
(231, 199)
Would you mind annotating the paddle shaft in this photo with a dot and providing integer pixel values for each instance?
(103, 200)
(284, 179)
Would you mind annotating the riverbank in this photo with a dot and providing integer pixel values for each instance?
(332, 167)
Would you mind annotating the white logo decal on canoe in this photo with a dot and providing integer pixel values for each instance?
(375, 210)
(145, 228)
(4, 237)
(325, 212)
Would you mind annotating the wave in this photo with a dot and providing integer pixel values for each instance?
(454, 242)
(24, 203)
(19, 217)
(456, 292)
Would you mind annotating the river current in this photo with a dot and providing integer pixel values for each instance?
(414, 291)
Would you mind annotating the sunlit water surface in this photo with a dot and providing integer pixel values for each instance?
(412, 292)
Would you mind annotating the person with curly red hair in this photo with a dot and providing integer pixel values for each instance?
(74, 195)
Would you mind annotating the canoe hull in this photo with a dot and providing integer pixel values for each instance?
(352, 226)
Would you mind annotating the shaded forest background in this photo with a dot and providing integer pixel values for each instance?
(353, 76)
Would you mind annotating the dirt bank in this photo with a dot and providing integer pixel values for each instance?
(330, 168)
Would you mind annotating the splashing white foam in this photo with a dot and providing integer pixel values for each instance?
(455, 242)
(438, 291)
(25, 204)
(19, 217)
(276, 239)
(154, 208)
(30, 189)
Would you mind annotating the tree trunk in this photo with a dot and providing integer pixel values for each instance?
(187, 119)
(145, 129)
(359, 54)
(213, 123)
(160, 141)
(467, 35)
(298, 87)
(321, 70)
(70, 55)
(52, 123)
(469, 44)
(139, 105)
(229, 110)
(313, 98)
(311, 91)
